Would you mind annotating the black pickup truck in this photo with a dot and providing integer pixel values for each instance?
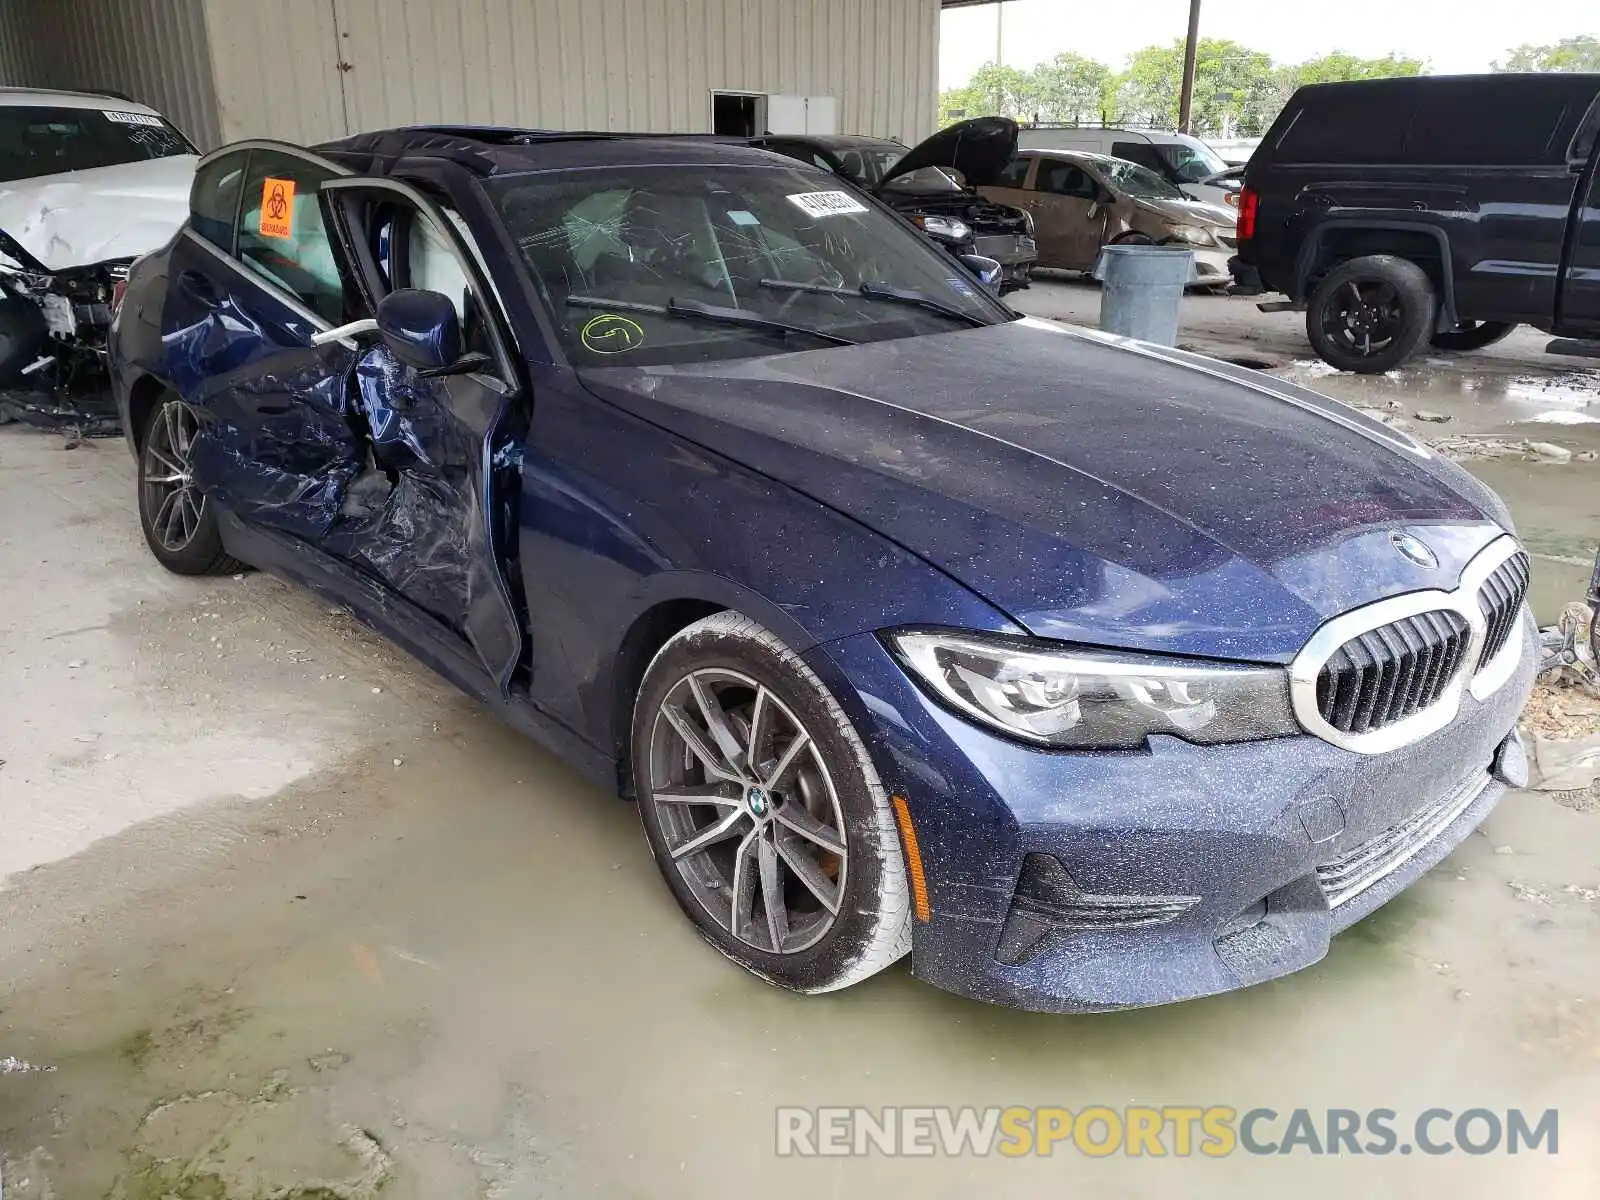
(1448, 209)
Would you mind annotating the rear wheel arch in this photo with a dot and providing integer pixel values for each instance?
(1337, 242)
(144, 397)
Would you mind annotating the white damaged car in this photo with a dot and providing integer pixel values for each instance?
(88, 183)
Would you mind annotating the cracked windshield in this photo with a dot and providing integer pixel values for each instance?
(642, 267)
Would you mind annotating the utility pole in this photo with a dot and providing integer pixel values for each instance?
(1191, 51)
(1000, 34)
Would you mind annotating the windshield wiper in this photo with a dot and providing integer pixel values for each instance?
(881, 291)
(689, 310)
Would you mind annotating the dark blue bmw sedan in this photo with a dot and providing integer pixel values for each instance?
(1089, 673)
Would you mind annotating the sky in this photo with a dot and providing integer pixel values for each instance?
(1452, 35)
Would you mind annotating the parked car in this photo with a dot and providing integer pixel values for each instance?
(1450, 210)
(917, 182)
(1081, 202)
(1093, 674)
(1186, 162)
(88, 182)
(1232, 183)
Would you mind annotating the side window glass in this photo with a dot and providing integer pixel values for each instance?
(214, 199)
(435, 267)
(282, 236)
(1065, 179)
(1015, 173)
(1142, 153)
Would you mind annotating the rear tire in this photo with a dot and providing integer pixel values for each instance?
(178, 518)
(810, 828)
(1371, 314)
(1473, 335)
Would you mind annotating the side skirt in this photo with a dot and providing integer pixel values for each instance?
(417, 632)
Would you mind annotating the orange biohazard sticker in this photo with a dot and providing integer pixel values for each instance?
(277, 208)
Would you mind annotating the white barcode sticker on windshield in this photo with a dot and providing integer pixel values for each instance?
(130, 118)
(826, 204)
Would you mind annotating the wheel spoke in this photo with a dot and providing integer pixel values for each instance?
(790, 757)
(809, 872)
(1355, 292)
(720, 831)
(694, 795)
(696, 745)
(191, 509)
(758, 717)
(168, 463)
(165, 480)
(175, 536)
(717, 722)
(772, 893)
(743, 899)
(793, 816)
(162, 521)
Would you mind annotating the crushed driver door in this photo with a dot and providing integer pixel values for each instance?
(433, 513)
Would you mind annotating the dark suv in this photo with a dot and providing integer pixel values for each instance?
(1450, 209)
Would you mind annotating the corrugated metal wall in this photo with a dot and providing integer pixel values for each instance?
(312, 69)
(152, 50)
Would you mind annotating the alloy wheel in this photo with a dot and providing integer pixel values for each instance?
(1364, 316)
(173, 500)
(748, 809)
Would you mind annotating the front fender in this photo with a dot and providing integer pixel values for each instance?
(619, 517)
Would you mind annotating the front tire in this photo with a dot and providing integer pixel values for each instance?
(179, 520)
(1473, 335)
(1371, 314)
(764, 811)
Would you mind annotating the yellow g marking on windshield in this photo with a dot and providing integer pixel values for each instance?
(611, 334)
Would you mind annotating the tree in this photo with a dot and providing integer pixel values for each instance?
(1230, 81)
(1070, 89)
(1569, 54)
(1006, 90)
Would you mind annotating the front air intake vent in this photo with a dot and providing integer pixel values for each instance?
(1048, 906)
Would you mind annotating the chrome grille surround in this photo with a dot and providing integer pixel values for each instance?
(1462, 603)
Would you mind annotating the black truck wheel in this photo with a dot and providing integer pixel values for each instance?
(1473, 335)
(1371, 314)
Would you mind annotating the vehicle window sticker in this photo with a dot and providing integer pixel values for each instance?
(826, 204)
(610, 334)
(277, 208)
(131, 118)
(740, 216)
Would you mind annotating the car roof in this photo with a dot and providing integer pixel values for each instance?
(495, 151)
(16, 97)
(837, 141)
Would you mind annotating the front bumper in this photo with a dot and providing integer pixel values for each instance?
(1211, 267)
(1246, 842)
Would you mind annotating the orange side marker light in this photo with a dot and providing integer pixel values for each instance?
(919, 882)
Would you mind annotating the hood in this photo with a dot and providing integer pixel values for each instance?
(1191, 212)
(1096, 490)
(94, 216)
(979, 149)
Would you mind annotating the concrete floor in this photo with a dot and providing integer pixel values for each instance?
(283, 912)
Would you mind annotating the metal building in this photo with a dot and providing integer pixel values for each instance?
(308, 70)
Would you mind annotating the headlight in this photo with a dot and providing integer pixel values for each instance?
(946, 227)
(1192, 234)
(1093, 699)
(1027, 220)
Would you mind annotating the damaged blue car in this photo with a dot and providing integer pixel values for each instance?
(1091, 674)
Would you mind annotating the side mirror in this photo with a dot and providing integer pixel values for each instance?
(421, 329)
(986, 269)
